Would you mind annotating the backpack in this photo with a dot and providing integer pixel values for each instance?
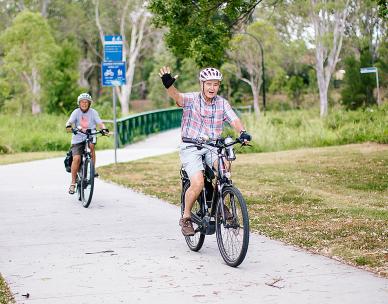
(68, 160)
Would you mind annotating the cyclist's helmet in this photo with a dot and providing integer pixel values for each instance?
(84, 96)
(210, 74)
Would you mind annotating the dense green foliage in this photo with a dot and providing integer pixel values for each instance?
(46, 55)
(61, 80)
(200, 29)
(383, 8)
(29, 48)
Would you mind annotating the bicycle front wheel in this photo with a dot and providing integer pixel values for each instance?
(87, 182)
(233, 232)
(194, 242)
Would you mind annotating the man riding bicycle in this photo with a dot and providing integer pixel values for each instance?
(83, 117)
(203, 117)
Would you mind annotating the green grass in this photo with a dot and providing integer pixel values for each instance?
(276, 131)
(5, 294)
(304, 128)
(28, 156)
(43, 132)
(332, 200)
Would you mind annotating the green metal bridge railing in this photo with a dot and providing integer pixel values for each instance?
(128, 128)
(133, 126)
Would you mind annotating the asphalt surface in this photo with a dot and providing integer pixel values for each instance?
(127, 248)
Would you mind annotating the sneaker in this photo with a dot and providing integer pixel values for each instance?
(187, 226)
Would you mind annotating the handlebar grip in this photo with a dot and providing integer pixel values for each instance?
(190, 141)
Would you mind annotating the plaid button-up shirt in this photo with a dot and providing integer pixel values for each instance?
(201, 119)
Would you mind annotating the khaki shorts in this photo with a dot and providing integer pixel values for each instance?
(78, 149)
(191, 158)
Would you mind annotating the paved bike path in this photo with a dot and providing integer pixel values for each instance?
(127, 248)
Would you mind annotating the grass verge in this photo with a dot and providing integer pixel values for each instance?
(332, 201)
(5, 294)
(28, 156)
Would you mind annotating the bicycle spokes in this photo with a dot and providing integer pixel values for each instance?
(232, 231)
(87, 182)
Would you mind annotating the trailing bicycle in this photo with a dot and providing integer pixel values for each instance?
(220, 208)
(86, 171)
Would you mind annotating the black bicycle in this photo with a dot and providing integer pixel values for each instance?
(86, 171)
(220, 208)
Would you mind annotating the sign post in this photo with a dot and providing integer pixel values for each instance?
(373, 70)
(114, 123)
(113, 73)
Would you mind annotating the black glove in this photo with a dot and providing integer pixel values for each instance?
(244, 136)
(104, 131)
(167, 80)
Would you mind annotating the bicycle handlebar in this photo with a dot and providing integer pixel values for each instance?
(88, 132)
(218, 144)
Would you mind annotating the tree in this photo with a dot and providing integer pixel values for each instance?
(365, 33)
(358, 88)
(28, 48)
(248, 63)
(365, 29)
(200, 29)
(383, 8)
(136, 17)
(328, 18)
(295, 87)
(61, 89)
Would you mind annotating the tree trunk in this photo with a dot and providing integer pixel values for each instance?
(255, 84)
(35, 92)
(34, 85)
(84, 67)
(327, 22)
(131, 51)
(45, 4)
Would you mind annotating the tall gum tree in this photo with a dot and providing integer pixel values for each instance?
(245, 53)
(328, 19)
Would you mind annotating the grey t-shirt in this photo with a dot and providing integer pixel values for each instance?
(87, 120)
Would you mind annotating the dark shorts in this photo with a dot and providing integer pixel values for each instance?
(78, 149)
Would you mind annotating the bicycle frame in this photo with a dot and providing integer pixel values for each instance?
(85, 176)
(222, 179)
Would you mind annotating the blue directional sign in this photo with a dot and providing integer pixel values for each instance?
(113, 74)
(113, 48)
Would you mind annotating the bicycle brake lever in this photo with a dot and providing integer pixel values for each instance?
(242, 144)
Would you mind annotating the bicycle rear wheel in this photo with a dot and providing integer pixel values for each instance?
(194, 242)
(87, 182)
(233, 233)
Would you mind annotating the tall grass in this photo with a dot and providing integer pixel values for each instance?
(277, 130)
(44, 132)
(304, 128)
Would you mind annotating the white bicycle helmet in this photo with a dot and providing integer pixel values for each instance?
(84, 96)
(210, 74)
